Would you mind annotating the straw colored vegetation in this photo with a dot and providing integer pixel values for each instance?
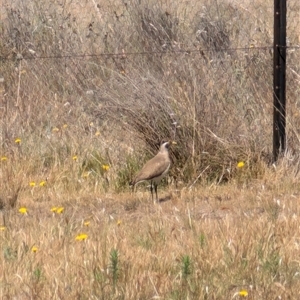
(76, 127)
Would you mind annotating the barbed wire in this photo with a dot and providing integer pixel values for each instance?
(124, 54)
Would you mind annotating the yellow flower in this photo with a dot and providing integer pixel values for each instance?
(243, 293)
(85, 174)
(97, 133)
(32, 183)
(81, 237)
(42, 183)
(86, 223)
(2, 228)
(105, 167)
(119, 222)
(34, 249)
(3, 158)
(55, 129)
(60, 210)
(240, 164)
(65, 126)
(18, 141)
(23, 210)
(74, 157)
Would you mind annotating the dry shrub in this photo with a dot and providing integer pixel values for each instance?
(189, 81)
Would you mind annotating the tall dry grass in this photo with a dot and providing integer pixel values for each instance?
(76, 126)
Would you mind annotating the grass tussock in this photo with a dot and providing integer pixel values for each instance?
(87, 92)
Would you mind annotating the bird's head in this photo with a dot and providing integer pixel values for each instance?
(165, 145)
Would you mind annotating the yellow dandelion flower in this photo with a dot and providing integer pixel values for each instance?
(86, 223)
(65, 126)
(18, 141)
(42, 183)
(60, 210)
(23, 210)
(119, 222)
(243, 293)
(55, 129)
(32, 183)
(105, 167)
(81, 237)
(240, 164)
(2, 228)
(54, 209)
(3, 158)
(97, 133)
(34, 249)
(74, 157)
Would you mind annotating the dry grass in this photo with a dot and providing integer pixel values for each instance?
(235, 237)
(74, 130)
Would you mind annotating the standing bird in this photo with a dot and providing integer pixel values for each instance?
(155, 169)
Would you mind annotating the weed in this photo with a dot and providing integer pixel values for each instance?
(272, 264)
(202, 240)
(114, 266)
(9, 253)
(37, 274)
(186, 267)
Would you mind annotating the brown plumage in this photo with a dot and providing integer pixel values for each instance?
(155, 169)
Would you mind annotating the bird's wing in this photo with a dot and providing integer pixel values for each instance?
(153, 168)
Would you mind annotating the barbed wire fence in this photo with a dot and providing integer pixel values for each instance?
(205, 63)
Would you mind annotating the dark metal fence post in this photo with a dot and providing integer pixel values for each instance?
(279, 69)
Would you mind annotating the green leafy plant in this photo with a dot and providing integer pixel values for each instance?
(114, 266)
(186, 268)
(37, 273)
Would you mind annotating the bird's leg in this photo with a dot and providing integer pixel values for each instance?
(151, 189)
(155, 188)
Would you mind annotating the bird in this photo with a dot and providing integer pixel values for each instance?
(155, 169)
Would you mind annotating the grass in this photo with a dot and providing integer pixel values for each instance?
(75, 129)
(203, 243)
